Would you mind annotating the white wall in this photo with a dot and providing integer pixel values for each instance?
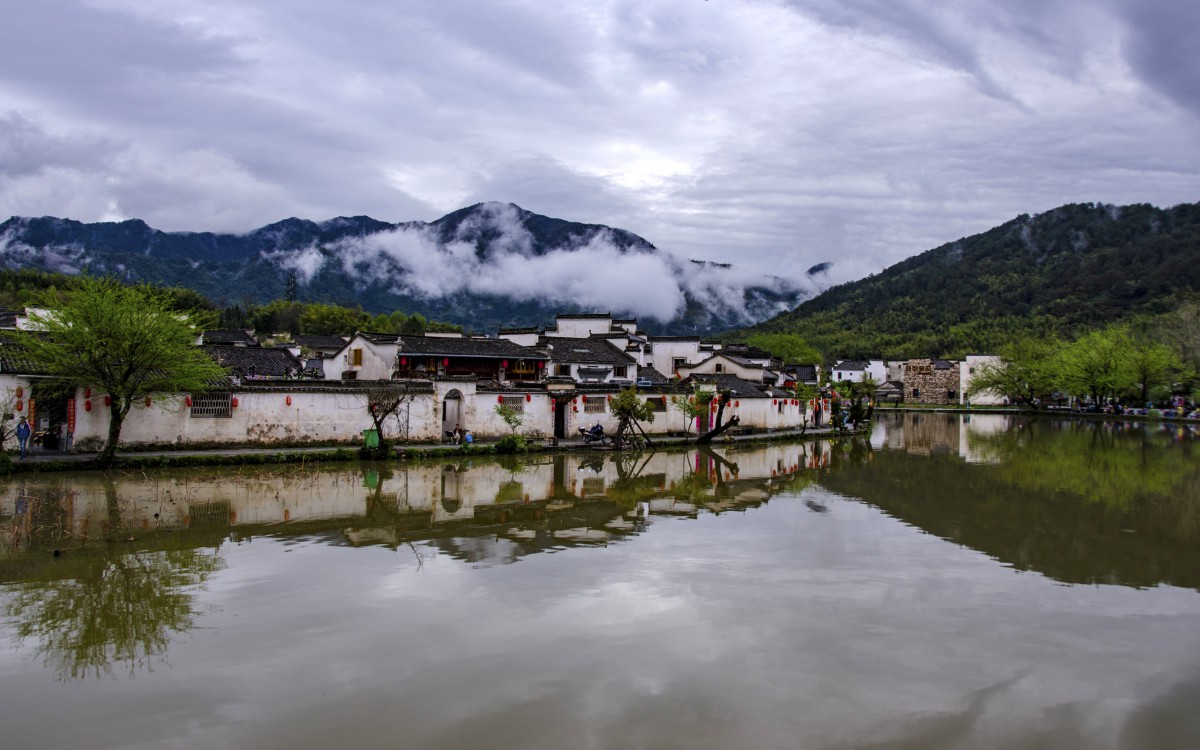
(967, 372)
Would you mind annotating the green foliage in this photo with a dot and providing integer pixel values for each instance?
(691, 406)
(511, 444)
(511, 417)
(789, 347)
(629, 405)
(1064, 272)
(126, 341)
(1026, 373)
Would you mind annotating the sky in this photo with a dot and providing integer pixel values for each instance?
(774, 134)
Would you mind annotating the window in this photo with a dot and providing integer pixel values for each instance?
(951, 395)
(621, 372)
(719, 367)
(356, 357)
(516, 403)
(349, 375)
(595, 405)
(678, 362)
(212, 405)
(916, 392)
(657, 403)
(562, 370)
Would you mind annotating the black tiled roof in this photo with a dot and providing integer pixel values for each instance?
(654, 376)
(255, 362)
(742, 388)
(229, 336)
(590, 351)
(582, 316)
(321, 342)
(433, 346)
(851, 364)
(803, 373)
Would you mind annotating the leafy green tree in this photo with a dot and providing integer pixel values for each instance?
(629, 408)
(1097, 364)
(126, 341)
(1026, 373)
(1151, 366)
(691, 406)
(789, 347)
(277, 317)
(511, 417)
(318, 319)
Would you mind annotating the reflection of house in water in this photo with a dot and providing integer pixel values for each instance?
(544, 502)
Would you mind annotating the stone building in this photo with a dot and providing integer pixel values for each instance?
(931, 381)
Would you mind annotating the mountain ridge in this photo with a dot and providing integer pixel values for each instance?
(480, 266)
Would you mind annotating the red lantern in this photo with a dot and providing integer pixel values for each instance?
(87, 392)
(736, 404)
(499, 399)
(575, 409)
(774, 401)
(107, 400)
(20, 405)
(233, 402)
(445, 362)
(288, 400)
(403, 361)
(147, 401)
(585, 399)
(20, 391)
(610, 397)
(188, 400)
(554, 402)
(87, 405)
(528, 398)
(504, 363)
(541, 364)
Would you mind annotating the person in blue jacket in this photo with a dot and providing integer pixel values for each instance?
(23, 433)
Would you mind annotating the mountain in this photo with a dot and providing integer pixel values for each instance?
(1069, 269)
(483, 267)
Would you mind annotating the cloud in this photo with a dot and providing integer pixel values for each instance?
(767, 133)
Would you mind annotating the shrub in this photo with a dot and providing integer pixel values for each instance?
(511, 444)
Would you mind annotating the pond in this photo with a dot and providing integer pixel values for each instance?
(945, 582)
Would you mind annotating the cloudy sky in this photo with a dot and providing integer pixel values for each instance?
(773, 133)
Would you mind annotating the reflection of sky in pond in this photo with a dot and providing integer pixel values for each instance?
(777, 626)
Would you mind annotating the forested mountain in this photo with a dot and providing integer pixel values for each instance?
(1073, 268)
(482, 267)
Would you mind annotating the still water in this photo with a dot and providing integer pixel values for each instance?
(947, 582)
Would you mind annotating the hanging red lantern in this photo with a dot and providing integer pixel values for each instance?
(585, 399)
(20, 405)
(610, 397)
(575, 409)
(147, 401)
(499, 399)
(445, 362)
(87, 392)
(20, 391)
(774, 401)
(107, 400)
(504, 363)
(554, 402)
(87, 405)
(188, 400)
(528, 398)
(737, 404)
(233, 402)
(404, 361)
(288, 400)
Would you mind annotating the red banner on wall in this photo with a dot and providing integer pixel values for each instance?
(71, 416)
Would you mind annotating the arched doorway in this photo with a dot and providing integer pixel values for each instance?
(452, 412)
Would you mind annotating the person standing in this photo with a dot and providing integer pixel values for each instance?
(23, 433)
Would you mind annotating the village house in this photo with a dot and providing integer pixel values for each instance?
(931, 381)
(856, 370)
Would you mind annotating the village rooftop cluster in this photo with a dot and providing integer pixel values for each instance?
(317, 389)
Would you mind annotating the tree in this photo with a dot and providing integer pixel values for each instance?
(723, 399)
(125, 341)
(787, 346)
(1025, 373)
(629, 408)
(386, 399)
(511, 417)
(690, 406)
(1096, 364)
(1151, 365)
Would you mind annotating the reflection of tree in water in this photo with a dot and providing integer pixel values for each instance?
(96, 606)
(1098, 461)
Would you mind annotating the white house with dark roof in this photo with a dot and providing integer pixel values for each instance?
(854, 370)
(378, 356)
(588, 360)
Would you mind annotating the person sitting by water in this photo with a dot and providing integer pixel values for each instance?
(457, 436)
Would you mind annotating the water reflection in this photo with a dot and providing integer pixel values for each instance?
(102, 570)
(1079, 501)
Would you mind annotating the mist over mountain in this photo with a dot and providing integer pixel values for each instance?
(485, 266)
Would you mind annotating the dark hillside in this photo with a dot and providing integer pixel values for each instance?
(1065, 270)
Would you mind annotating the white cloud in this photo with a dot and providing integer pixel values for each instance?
(768, 133)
